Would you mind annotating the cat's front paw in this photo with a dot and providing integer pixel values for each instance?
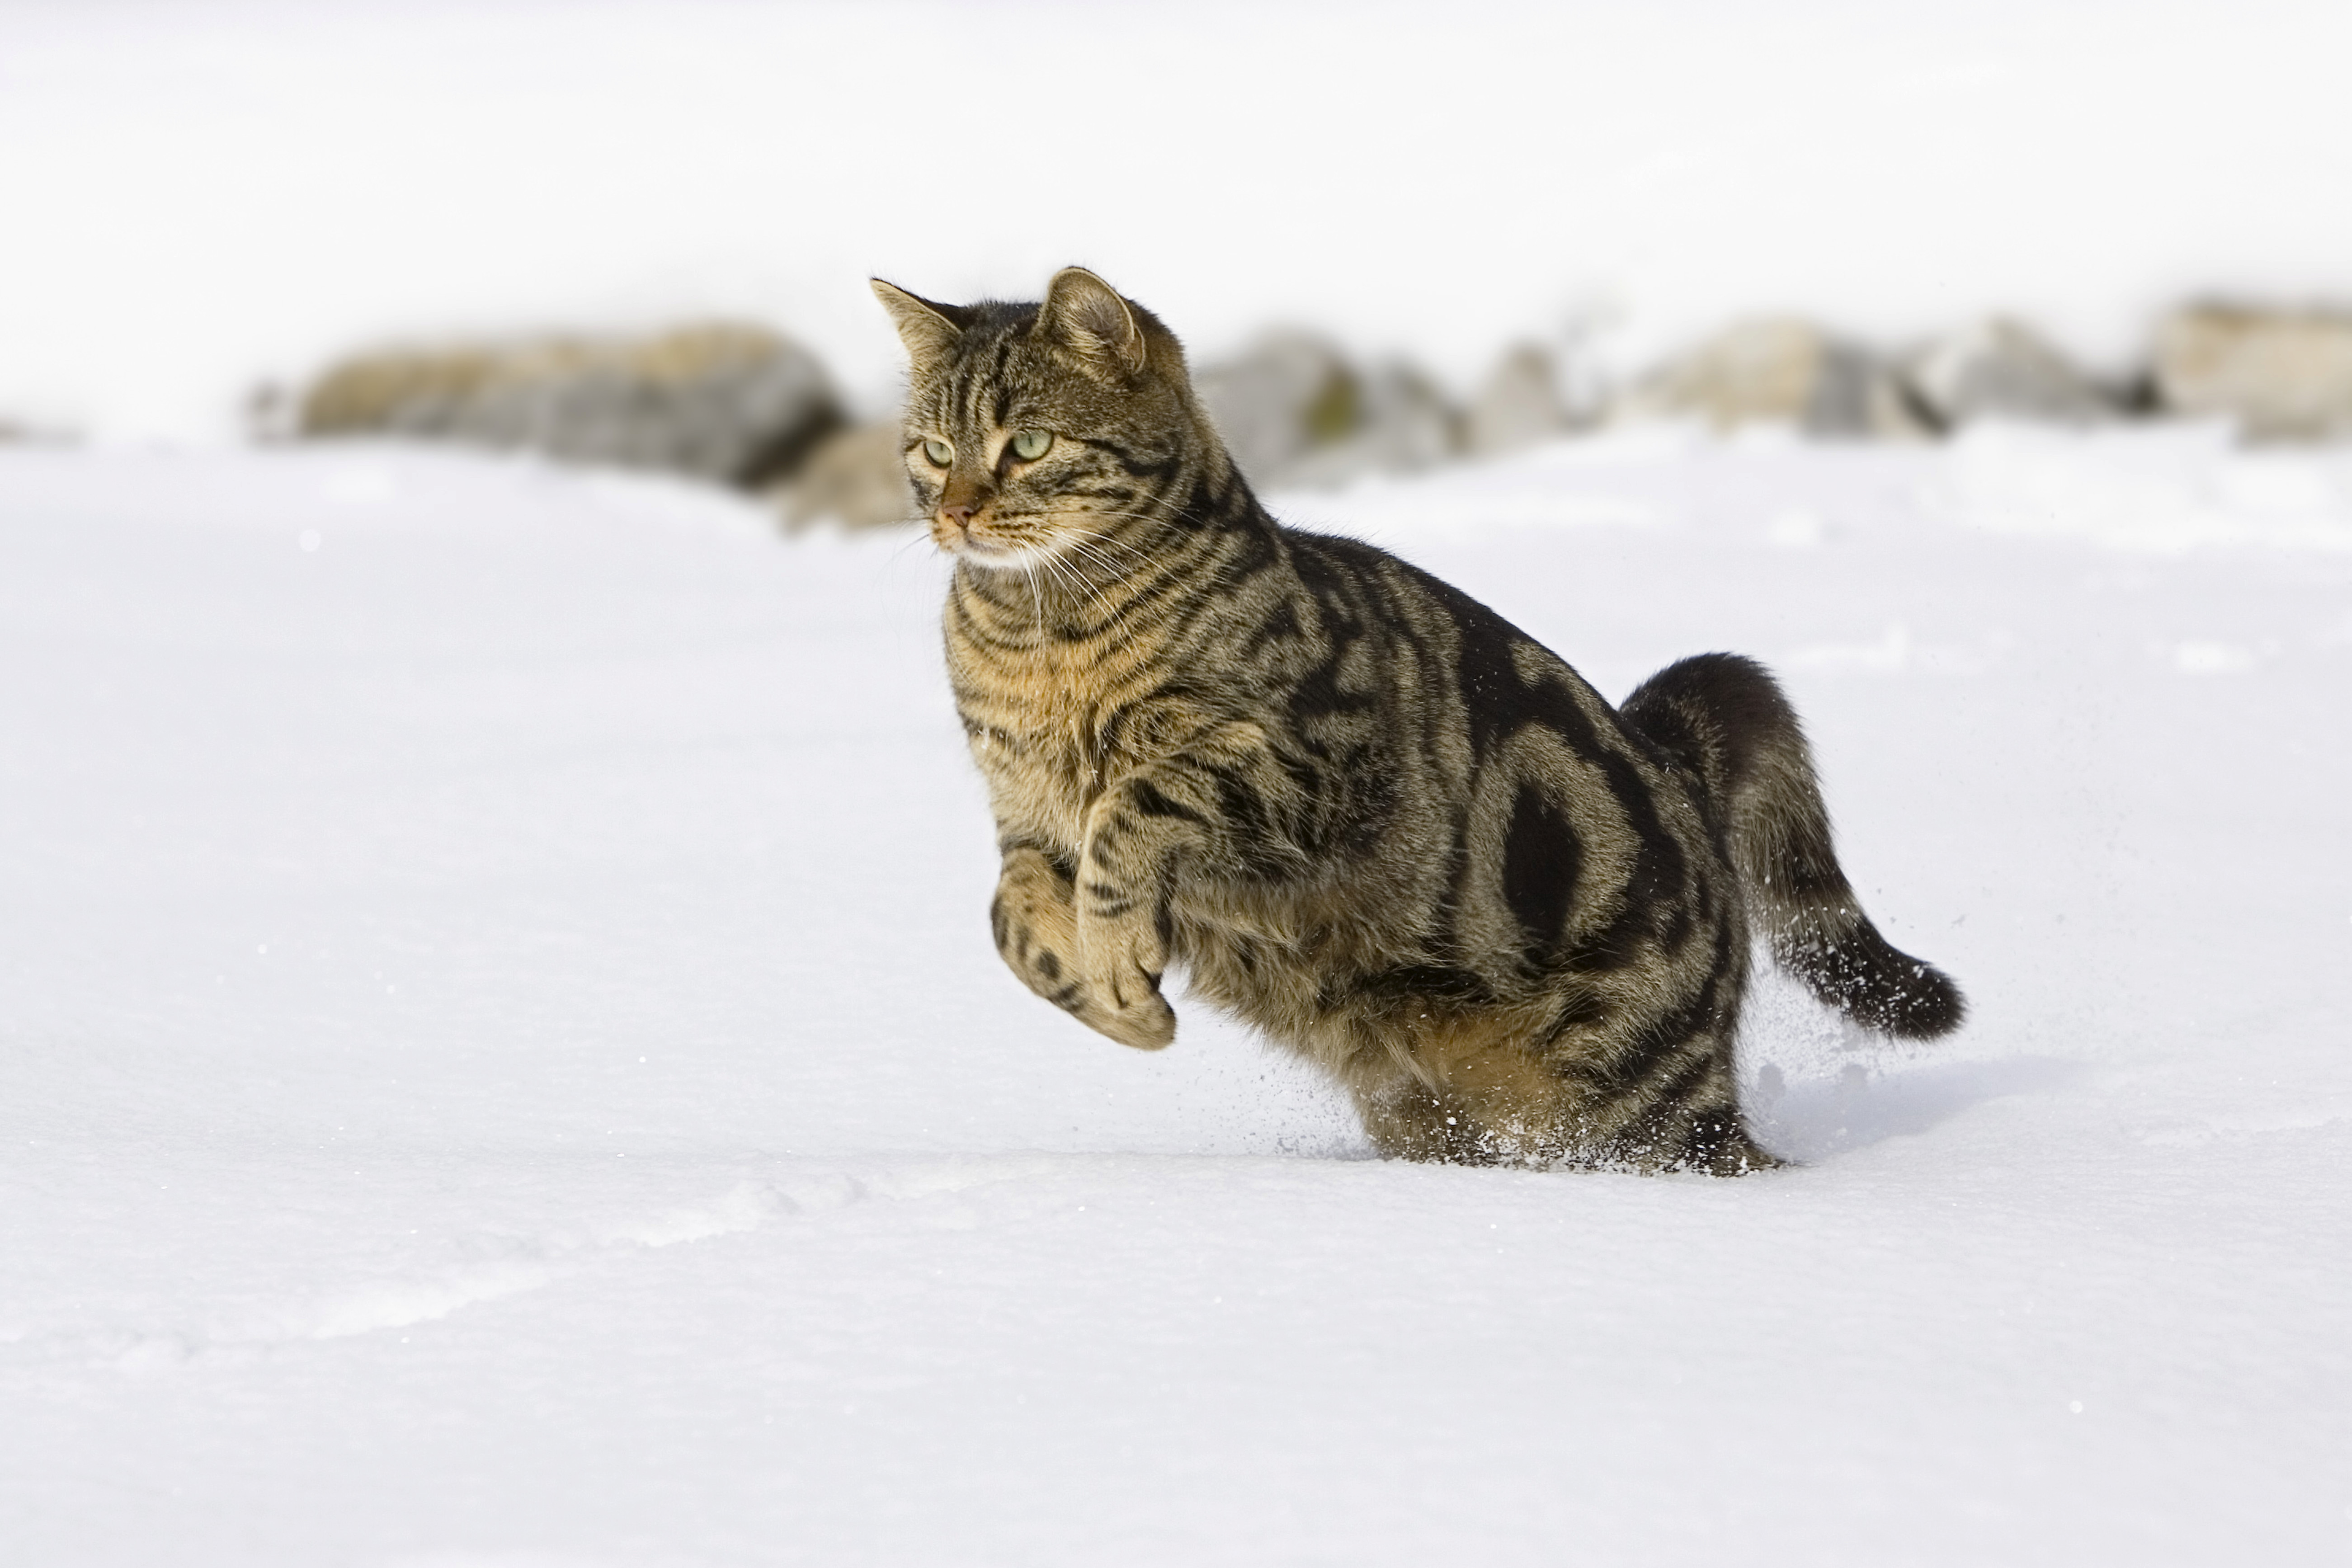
(1122, 968)
(1128, 1007)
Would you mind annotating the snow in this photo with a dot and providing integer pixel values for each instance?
(504, 1066)
(505, 1063)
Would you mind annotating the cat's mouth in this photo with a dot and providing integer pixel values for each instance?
(971, 544)
(985, 541)
(1001, 553)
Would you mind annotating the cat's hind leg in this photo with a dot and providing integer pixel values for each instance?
(1465, 1090)
(1478, 1096)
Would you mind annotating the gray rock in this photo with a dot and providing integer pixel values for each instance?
(725, 402)
(2282, 373)
(1779, 371)
(1290, 393)
(1403, 425)
(2001, 369)
(1519, 406)
(1294, 412)
(857, 477)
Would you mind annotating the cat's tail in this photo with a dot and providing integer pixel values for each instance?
(1725, 718)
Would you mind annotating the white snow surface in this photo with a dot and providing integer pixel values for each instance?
(505, 1064)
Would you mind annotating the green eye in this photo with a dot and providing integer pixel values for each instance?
(939, 452)
(1030, 444)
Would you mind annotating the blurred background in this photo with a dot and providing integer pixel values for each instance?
(1561, 209)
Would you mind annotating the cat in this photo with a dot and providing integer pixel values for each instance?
(1366, 813)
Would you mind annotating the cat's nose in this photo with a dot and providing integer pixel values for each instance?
(959, 514)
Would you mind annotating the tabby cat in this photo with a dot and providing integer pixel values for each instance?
(1364, 812)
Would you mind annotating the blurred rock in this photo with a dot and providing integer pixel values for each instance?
(1779, 371)
(1289, 393)
(16, 433)
(1294, 412)
(1519, 406)
(857, 477)
(2283, 374)
(2001, 369)
(1403, 425)
(725, 402)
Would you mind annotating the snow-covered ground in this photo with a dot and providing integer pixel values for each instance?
(504, 1062)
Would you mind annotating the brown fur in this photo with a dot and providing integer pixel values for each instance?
(1366, 813)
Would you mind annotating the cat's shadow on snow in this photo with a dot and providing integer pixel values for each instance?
(1816, 1118)
(1814, 1085)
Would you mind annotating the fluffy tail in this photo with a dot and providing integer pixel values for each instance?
(1724, 718)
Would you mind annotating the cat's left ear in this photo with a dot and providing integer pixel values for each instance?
(1083, 314)
(928, 330)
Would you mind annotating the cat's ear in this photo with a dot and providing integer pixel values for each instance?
(1083, 312)
(928, 330)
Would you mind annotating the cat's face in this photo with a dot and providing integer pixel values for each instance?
(1034, 432)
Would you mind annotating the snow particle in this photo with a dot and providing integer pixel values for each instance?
(2075, 1406)
(309, 539)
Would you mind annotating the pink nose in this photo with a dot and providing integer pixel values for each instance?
(959, 515)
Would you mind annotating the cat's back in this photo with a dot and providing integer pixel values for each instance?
(1454, 656)
(1564, 835)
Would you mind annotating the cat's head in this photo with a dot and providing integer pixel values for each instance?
(1034, 430)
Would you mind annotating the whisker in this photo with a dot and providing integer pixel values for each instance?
(1095, 555)
(1036, 597)
(1110, 613)
(1111, 542)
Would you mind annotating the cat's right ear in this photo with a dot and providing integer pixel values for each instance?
(1086, 314)
(928, 330)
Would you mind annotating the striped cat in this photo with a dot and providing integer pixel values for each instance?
(1363, 811)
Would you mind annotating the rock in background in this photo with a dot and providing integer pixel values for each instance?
(1779, 371)
(1293, 411)
(1518, 405)
(857, 477)
(737, 404)
(1402, 424)
(1289, 393)
(729, 403)
(18, 433)
(2001, 369)
(2282, 373)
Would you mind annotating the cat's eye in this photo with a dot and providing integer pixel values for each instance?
(939, 452)
(1030, 444)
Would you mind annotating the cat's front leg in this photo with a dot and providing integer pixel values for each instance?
(1122, 941)
(1035, 920)
(1204, 810)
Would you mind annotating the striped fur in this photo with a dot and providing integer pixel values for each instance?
(1362, 810)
